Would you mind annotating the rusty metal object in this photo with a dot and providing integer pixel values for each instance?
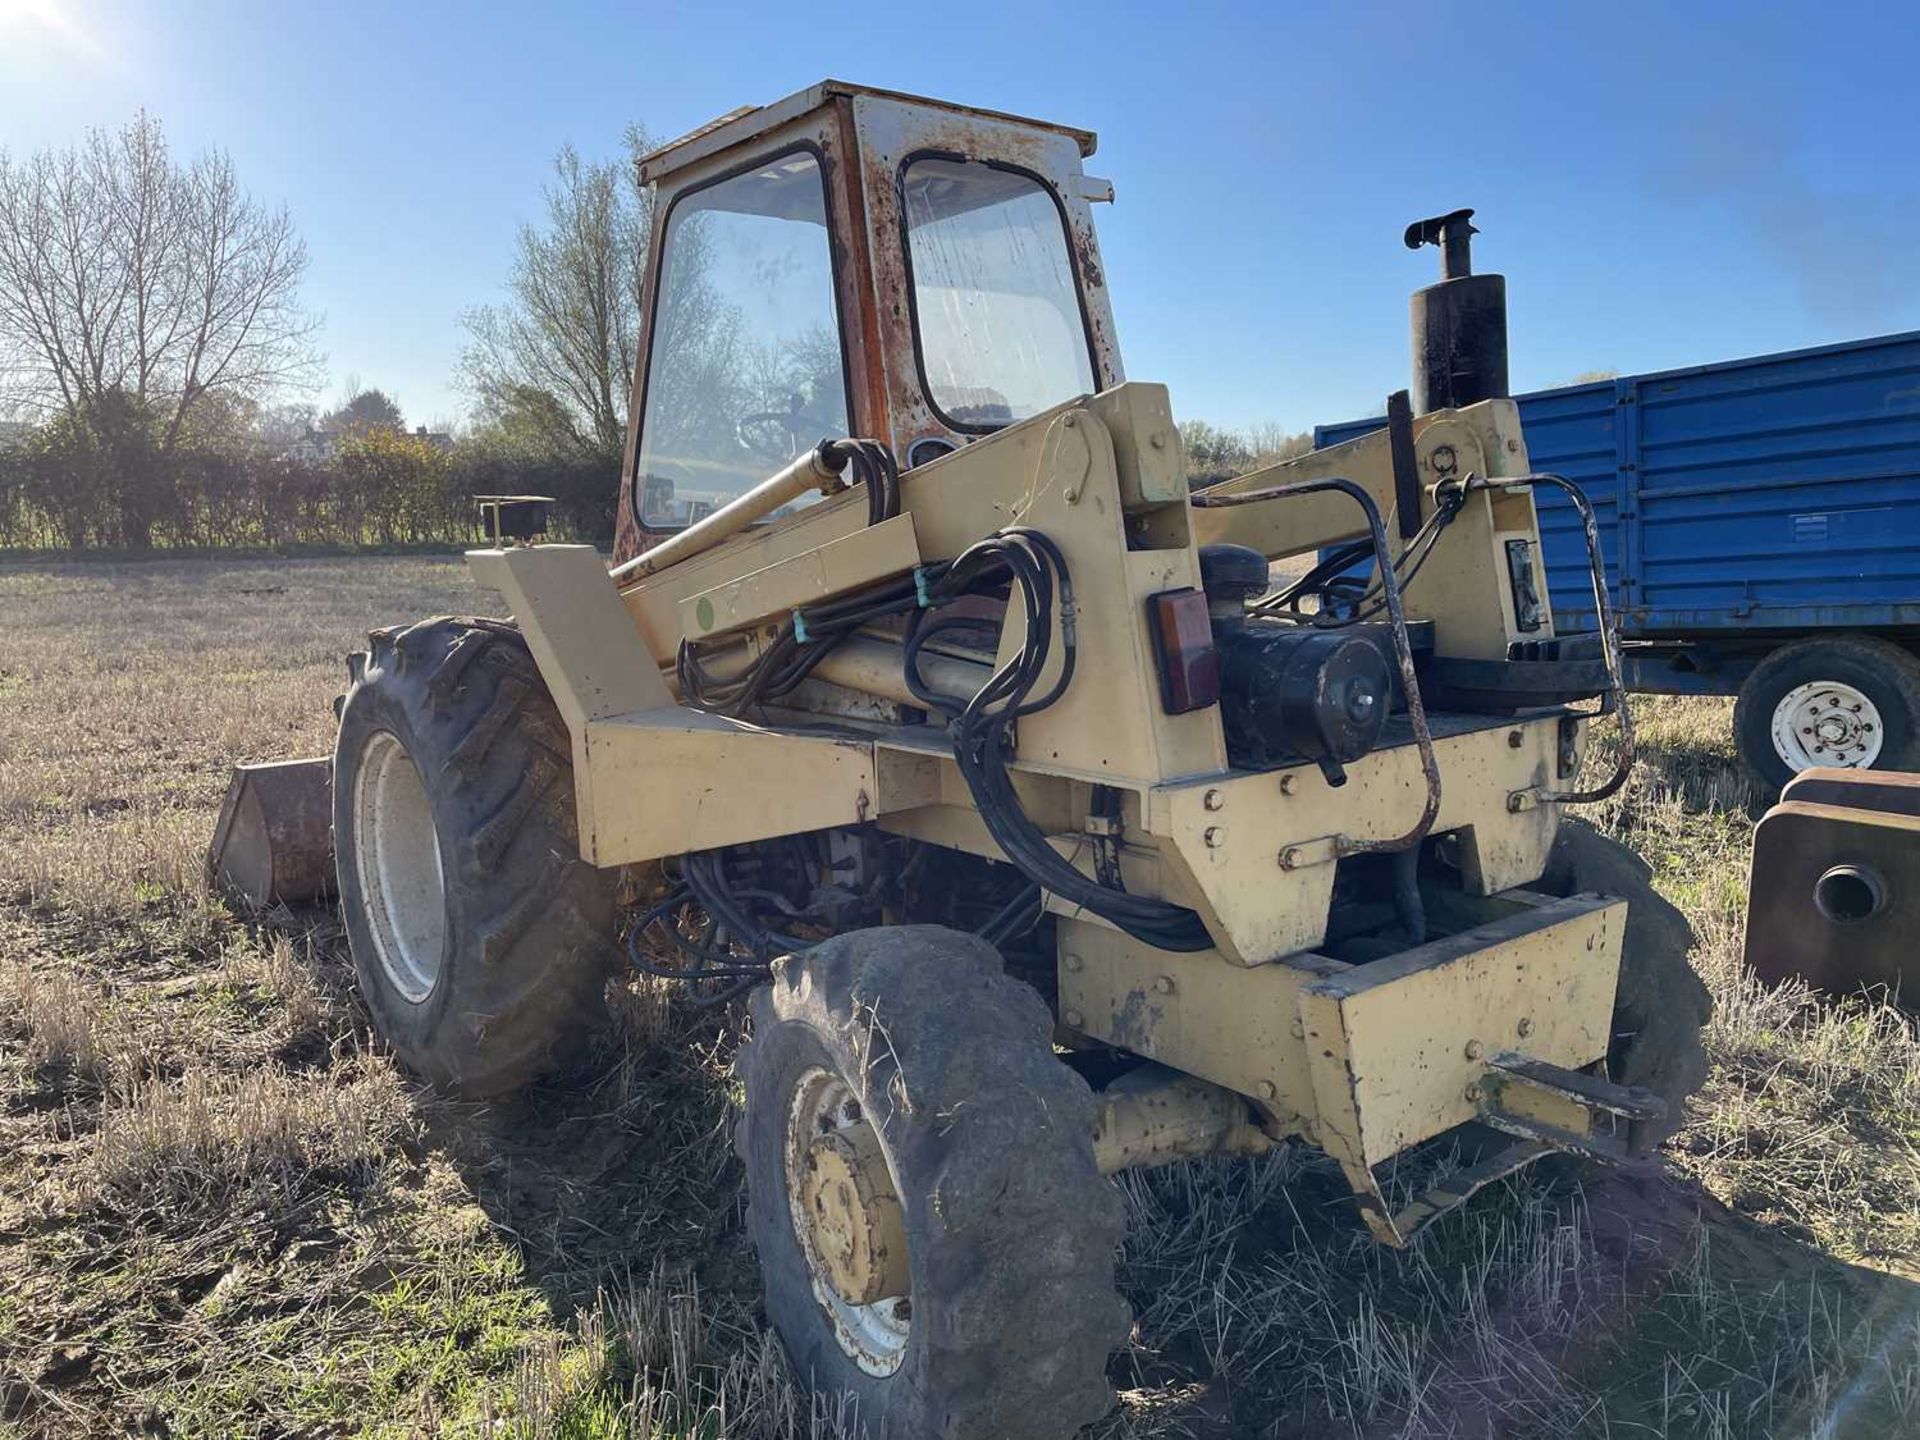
(862, 136)
(1834, 889)
(273, 843)
(1890, 792)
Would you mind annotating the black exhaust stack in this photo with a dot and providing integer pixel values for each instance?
(1459, 325)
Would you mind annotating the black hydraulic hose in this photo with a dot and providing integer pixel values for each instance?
(1410, 909)
(1029, 567)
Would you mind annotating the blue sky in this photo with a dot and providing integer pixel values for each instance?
(1662, 185)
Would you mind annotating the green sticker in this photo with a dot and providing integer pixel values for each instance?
(703, 612)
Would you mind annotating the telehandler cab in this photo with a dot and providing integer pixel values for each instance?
(1043, 828)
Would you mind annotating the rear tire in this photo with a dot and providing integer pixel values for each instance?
(1010, 1230)
(1778, 717)
(1660, 1006)
(481, 941)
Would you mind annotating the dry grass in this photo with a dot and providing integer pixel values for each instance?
(223, 1212)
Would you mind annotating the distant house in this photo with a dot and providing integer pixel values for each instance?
(315, 447)
(319, 444)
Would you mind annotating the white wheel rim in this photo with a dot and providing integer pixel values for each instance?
(1827, 722)
(397, 859)
(873, 1336)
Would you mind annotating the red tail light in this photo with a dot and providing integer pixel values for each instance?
(1183, 645)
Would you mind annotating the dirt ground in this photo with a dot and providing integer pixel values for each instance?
(225, 1212)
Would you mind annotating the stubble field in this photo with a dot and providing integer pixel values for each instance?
(224, 1211)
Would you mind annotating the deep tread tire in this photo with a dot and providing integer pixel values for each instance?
(1661, 1005)
(530, 927)
(1012, 1232)
(1879, 669)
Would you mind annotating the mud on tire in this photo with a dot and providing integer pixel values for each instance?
(1011, 1231)
(525, 937)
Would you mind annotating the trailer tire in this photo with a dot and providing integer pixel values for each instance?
(1867, 671)
(1660, 1006)
(481, 941)
(914, 1034)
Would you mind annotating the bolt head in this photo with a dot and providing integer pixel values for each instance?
(1287, 784)
(1072, 1019)
(1164, 985)
(1515, 739)
(1267, 1090)
(1526, 1027)
(1215, 837)
(1473, 1094)
(1475, 1049)
(1072, 964)
(1213, 800)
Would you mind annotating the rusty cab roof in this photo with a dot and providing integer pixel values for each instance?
(739, 126)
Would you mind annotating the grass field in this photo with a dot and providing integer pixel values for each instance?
(225, 1212)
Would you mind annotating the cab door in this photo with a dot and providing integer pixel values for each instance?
(988, 291)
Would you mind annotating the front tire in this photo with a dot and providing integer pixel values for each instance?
(1660, 1006)
(481, 941)
(1852, 701)
(903, 1064)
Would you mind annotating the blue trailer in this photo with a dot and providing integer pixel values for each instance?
(1761, 522)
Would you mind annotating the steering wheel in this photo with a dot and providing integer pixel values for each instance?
(772, 434)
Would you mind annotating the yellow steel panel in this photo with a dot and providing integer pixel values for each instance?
(1194, 1011)
(848, 563)
(581, 636)
(1147, 452)
(1395, 1045)
(1225, 836)
(685, 780)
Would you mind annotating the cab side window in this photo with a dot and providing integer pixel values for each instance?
(745, 371)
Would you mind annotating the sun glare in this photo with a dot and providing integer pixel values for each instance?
(48, 16)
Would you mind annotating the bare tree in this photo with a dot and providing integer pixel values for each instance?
(136, 291)
(555, 362)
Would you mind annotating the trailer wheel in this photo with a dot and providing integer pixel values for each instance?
(481, 941)
(1852, 702)
(1661, 1005)
(936, 1240)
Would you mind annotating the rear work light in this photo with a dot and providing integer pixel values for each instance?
(1183, 645)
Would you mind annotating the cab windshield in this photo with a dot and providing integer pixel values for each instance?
(1001, 333)
(745, 368)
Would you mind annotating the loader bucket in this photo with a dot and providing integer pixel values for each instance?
(273, 844)
(1834, 894)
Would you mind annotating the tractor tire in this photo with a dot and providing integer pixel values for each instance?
(1866, 689)
(914, 1035)
(1661, 1005)
(481, 941)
